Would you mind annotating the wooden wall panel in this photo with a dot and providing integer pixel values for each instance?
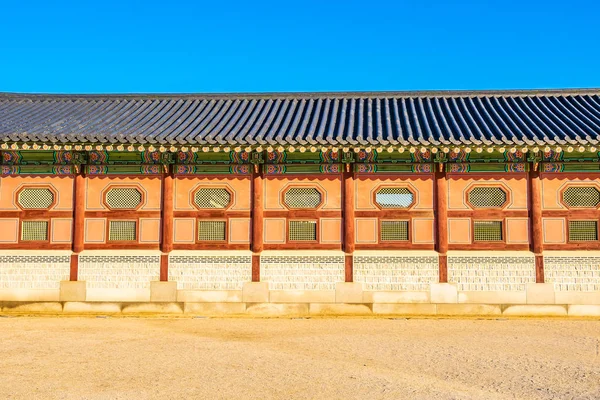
(366, 185)
(459, 185)
(553, 184)
(517, 230)
(274, 230)
(61, 230)
(423, 230)
(239, 230)
(184, 231)
(184, 188)
(150, 187)
(149, 230)
(95, 230)
(555, 230)
(331, 230)
(459, 230)
(330, 185)
(62, 185)
(366, 230)
(9, 230)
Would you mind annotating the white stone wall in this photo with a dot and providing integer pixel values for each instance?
(302, 271)
(36, 272)
(396, 272)
(119, 271)
(210, 272)
(503, 271)
(573, 272)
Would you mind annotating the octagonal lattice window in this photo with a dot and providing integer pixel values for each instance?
(394, 197)
(581, 197)
(123, 198)
(302, 197)
(35, 198)
(487, 197)
(212, 198)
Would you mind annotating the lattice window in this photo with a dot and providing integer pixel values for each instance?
(581, 197)
(301, 197)
(487, 231)
(303, 231)
(34, 231)
(211, 230)
(583, 231)
(122, 231)
(487, 197)
(394, 231)
(212, 198)
(394, 197)
(123, 198)
(35, 198)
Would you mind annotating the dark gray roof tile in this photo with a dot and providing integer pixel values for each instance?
(307, 119)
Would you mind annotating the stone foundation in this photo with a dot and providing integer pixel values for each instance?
(119, 275)
(482, 271)
(301, 283)
(302, 270)
(577, 271)
(396, 271)
(210, 270)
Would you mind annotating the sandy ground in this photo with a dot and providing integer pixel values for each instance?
(114, 358)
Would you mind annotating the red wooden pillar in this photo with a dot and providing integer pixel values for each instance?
(348, 214)
(537, 245)
(441, 219)
(166, 245)
(257, 221)
(78, 223)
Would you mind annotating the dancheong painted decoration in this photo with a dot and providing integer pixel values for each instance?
(400, 194)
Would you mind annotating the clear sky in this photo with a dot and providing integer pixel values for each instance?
(120, 46)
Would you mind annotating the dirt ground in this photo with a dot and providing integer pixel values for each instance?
(143, 358)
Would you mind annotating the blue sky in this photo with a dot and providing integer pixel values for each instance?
(264, 46)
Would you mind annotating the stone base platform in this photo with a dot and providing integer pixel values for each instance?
(221, 309)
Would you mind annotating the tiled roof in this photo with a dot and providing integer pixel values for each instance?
(354, 119)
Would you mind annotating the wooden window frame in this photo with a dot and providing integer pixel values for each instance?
(198, 188)
(123, 242)
(400, 186)
(24, 187)
(48, 230)
(501, 186)
(205, 242)
(317, 231)
(561, 196)
(299, 186)
(580, 242)
(119, 186)
(490, 242)
(408, 228)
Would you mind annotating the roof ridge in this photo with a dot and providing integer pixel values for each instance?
(298, 95)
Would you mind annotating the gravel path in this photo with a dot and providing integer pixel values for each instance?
(118, 358)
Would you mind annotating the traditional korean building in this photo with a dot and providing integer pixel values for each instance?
(316, 198)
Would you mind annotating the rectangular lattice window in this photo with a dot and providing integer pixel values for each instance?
(394, 231)
(487, 231)
(211, 231)
(34, 231)
(583, 231)
(121, 231)
(302, 231)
